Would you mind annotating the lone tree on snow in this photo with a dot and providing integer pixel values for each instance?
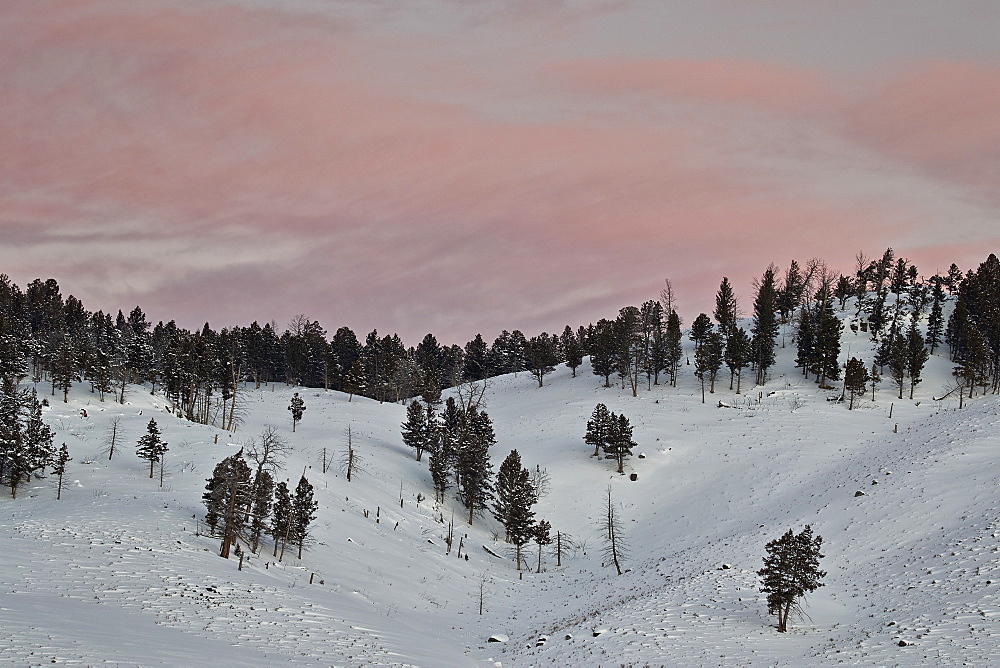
(151, 447)
(791, 570)
(297, 407)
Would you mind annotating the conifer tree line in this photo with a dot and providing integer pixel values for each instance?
(54, 339)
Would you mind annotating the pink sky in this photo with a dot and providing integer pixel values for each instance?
(463, 167)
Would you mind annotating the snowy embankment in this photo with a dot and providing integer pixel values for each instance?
(120, 570)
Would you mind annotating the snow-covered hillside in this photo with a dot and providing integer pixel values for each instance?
(121, 571)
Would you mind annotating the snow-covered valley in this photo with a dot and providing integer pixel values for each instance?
(122, 571)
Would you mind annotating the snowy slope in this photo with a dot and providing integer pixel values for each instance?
(120, 570)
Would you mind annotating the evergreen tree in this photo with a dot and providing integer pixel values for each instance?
(37, 436)
(297, 407)
(674, 352)
(540, 356)
(355, 382)
(263, 486)
(700, 329)
(708, 361)
(790, 296)
(303, 512)
(806, 343)
(726, 307)
(151, 447)
(619, 441)
(228, 499)
(603, 350)
(844, 290)
(598, 428)
(935, 322)
(874, 378)
(572, 349)
(475, 473)
(828, 332)
(765, 325)
(916, 355)
(791, 570)
(281, 514)
(65, 364)
(513, 498)
(415, 428)
(631, 351)
(476, 360)
(59, 468)
(898, 361)
(855, 379)
(738, 355)
(441, 462)
(13, 361)
(542, 535)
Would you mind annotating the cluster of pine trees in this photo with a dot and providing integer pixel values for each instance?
(26, 447)
(458, 437)
(610, 433)
(244, 504)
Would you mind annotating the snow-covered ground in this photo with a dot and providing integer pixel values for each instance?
(121, 571)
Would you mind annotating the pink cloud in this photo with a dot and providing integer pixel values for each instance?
(938, 116)
(768, 86)
(238, 164)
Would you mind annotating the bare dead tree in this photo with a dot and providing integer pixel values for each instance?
(472, 394)
(615, 546)
(350, 461)
(481, 591)
(267, 451)
(667, 298)
(111, 437)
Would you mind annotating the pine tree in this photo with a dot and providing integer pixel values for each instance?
(603, 350)
(59, 468)
(303, 512)
(791, 570)
(572, 349)
(738, 354)
(228, 499)
(916, 355)
(897, 362)
(281, 513)
(855, 379)
(441, 464)
(726, 307)
(765, 325)
(514, 496)
(598, 428)
(415, 428)
(806, 343)
(297, 407)
(37, 436)
(476, 366)
(540, 356)
(935, 322)
(700, 329)
(619, 441)
(631, 351)
(151, 447)
(708, 361)
(542, 535)
(674, 352)
(828, 332)
(65, 365)
(475, 473)
(263, 487)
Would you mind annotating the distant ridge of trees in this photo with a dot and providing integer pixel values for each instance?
(48, 337)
